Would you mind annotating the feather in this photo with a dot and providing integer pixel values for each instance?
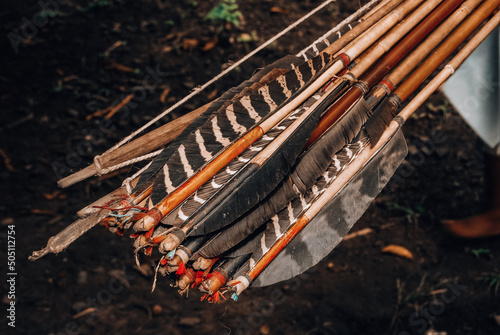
(280, 221)
(310, 166)
(228, 124)
(230, 95)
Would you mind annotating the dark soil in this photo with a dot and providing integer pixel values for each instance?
(65, 71)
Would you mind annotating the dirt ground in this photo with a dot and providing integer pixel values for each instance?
(82, 57)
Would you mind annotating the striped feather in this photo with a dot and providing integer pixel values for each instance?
(232, 94)
(219, 129)
(208, 190)
(309, 167)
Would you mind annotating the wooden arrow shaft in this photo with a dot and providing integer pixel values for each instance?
(370, 19)
(393, 79)
(450, 68)
(390, 60)
(443, 52)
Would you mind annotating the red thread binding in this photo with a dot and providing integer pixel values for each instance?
(388, 84)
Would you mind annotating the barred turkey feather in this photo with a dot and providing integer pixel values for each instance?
(310, 166)
(285, 63)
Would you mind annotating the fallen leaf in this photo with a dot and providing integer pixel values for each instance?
(212, 95)
(119, 106)
(167, 49)
(112, 47)
(398, 251)
(189, 321)
(265, 330)
(8, 221)
(51, 196)
(84, 312)
(7, 161)
(280, 10)
(190, 43)
(361, 232)
(170, 36)
(69, 78)
(98, 113)
(244, 37)
(42, 212)
(164, 94)
(120, 67)
(157, 309)
(210, 44)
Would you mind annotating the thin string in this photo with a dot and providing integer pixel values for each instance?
(126, 182)
(101, 171)
(342, 24)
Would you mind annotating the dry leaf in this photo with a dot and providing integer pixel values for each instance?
(212, 95)
(119, 67)
(42, 212)
(119, 106)
(7, 161)
(8, 221)
(361, 232)
(167, 49)
(84, 312)
(398, 251)
(51, 196)
(164, 94)
(190, 43)
(112, 47)
(244, 38)
(210, 44)
(280, 10)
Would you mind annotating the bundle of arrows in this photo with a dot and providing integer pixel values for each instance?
(261, 184)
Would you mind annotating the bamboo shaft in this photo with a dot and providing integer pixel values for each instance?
(388, 41)
(402, 70)
(446, 48)
(450, 68)
(425, 48)
(381, 28)
(370, 19)
(391, 59)
(411, 41)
